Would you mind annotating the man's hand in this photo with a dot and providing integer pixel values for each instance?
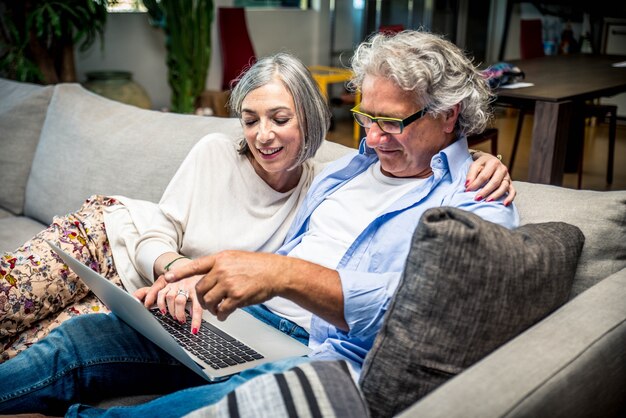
(234, 279)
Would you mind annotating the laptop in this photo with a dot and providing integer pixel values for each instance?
(219, 350)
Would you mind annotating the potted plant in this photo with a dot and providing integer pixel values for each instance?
(37, 37)
(187, 26)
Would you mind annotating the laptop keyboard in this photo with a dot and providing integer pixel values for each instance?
(212, 345)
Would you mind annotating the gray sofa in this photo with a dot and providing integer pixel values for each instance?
(61, 144)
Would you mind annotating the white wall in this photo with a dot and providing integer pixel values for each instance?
(131, 44)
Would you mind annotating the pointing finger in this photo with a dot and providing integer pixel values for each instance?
(198, 266)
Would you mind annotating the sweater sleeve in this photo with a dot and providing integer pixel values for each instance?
(167, 227)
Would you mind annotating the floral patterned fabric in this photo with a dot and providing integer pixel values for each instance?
(38, 291)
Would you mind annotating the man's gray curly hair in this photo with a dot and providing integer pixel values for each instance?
(435, 69)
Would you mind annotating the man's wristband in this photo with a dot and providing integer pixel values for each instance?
(167, 267)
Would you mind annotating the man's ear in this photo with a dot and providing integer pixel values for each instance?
(450, 118)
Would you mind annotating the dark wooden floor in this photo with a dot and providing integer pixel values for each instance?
(596, 149)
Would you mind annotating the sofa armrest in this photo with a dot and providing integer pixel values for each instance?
(571, 364)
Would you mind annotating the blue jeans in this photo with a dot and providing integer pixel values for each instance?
(94, 357)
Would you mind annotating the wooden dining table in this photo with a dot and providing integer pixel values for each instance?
(561, 85)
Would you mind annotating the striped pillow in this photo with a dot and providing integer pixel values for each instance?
(317, 389)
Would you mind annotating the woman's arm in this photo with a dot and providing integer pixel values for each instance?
(166, 232)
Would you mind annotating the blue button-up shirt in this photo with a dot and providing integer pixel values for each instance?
(370, 269)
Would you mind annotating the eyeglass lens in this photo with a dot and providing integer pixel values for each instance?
(389, 126)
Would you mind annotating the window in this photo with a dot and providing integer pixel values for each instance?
(125, 6)
(294, 4)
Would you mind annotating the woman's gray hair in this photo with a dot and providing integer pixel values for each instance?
(436, 70)
(311, 108)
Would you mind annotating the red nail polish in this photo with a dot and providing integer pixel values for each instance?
(490, 199)
(194, 331)
(163, 311)
(478, 198)
(466, 183)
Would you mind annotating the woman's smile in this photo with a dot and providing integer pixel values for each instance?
(269, 153)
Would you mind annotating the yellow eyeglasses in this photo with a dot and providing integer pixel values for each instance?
(389, 125)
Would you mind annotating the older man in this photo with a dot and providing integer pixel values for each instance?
(346, 250)
(420, 98)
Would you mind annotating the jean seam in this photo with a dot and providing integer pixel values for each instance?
(81, 365)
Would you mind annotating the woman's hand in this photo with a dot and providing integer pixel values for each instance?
(491, 177)
(172, 298)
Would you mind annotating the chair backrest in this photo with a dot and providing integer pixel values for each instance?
(235, 44)
(390, 29)
(531, 38)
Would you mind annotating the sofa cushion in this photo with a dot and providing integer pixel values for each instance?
(22, 112)
(469, 286)
(16, 230)
(5, 213)
(600, 215)
(318, 389)
(92, 145)
(570, 365)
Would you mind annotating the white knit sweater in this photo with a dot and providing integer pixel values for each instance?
(214, 202)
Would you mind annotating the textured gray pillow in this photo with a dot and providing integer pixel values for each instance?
(23, 109)
(469, 286)
(317, 389)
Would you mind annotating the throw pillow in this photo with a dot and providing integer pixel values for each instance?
(468, 286)
(317, 389)
(23, 109)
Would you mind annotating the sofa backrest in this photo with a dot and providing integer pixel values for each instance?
(23, 109)
(601, 216)
(92, 145)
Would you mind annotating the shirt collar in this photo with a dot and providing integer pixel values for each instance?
(452, 157)
(364, 149)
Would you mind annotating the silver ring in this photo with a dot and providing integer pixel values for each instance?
(183, 292)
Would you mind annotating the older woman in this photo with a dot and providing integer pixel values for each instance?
(258, 183)
(257, 187)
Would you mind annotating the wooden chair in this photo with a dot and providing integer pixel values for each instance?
(489, 134)
(601, 112)
(237, 50)
(391, 29)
